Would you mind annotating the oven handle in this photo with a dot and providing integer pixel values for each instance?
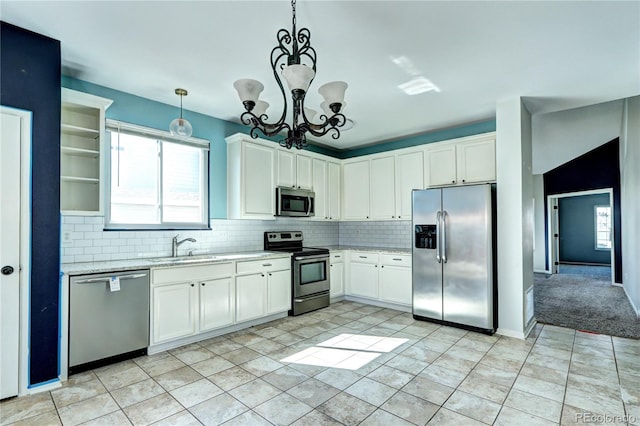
(319, 256)
(310, 298)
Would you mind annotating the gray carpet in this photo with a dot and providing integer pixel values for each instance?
(587, 303)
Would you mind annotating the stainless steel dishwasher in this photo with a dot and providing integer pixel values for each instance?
(108, 318)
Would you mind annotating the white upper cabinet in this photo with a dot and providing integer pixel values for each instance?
(294, 170)
(477, 161)
(382, 188)
(440, 167)
(334, 189)
(82, 151)
(250, 179)
(355, 194)
(409, 176)
(320, 187)
(470, 160)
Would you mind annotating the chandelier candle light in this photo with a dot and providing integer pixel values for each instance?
(180, 126)
(296, 59)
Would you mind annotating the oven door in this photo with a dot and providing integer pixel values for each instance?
(310, 275)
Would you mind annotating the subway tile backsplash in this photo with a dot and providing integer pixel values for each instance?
(85, 240)
(384, 234)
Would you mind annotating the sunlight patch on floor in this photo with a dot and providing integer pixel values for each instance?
(347, 351)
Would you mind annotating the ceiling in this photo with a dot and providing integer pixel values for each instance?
(556, 54)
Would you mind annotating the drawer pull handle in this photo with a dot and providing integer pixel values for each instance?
(362, 257)
(266, 264)
(397, 259)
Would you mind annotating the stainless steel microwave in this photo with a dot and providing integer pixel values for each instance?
(294, 202)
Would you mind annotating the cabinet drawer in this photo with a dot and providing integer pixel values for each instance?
(187, 273)
(364, 257)
(336, 257)
(263, 265)
(397, 260)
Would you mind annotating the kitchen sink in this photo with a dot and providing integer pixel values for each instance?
(205, 257)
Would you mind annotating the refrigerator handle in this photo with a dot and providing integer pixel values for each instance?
(438, 216)
(444, 236)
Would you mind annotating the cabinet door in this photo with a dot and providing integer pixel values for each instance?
(383, 188)
(251, 296)
(258, 182)
(337, 279)
(286, 169)
(320, 188)
(279, 291)
(440, 167)
(409, 176)
(356, 190)
(477, 161)
(363, 279)
(217, 303)
(304, 175)
(334, 190)
(395, 284)
(174, 311)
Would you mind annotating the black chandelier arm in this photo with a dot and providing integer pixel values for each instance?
(329, 124)
(250, 119)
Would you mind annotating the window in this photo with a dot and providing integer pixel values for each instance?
(156, 181)
(603, 227)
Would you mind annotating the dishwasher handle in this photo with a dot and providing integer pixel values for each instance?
(102, 279)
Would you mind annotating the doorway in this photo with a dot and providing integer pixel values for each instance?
(15, 224)
(581, 233)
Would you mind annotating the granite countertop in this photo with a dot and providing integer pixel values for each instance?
(158, 262)
(362, 248)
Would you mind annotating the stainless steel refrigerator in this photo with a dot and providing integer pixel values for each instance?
(454, 278)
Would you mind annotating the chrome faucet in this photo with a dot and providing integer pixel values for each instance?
(175, 244)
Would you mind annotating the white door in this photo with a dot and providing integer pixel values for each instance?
(10, 126)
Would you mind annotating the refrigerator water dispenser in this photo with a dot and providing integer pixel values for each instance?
(426, 237)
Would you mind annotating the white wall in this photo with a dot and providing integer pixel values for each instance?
(515, 215)
(630, 199)
(561, 136)
(539, 256)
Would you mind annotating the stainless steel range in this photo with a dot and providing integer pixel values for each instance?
(309, 270)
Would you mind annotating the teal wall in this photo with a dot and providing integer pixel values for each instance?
(145, 112)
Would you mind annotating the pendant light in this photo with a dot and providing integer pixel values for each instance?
(180, 126)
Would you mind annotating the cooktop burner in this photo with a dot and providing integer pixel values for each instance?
(290, 241)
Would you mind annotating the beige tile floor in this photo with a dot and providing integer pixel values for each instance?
(438, 375)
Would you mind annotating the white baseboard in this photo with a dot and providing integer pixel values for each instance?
(542, 271)
(511, 333)
(633, 305)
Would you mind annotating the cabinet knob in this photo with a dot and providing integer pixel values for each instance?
(382, 266)
(453, 181)
(269, 273)
(367, 217)
(463, 180)
(262, 275)
(399, 217)
(192, 285)
(202, 284)
(393, 217)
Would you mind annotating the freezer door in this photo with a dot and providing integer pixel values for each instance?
(427, 268)
(467, 256)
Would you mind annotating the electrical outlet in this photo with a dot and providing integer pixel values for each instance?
(66, 236)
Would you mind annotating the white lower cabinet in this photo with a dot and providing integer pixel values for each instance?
(278, 291)
(189, 300)
(217, 303)
(251, 297)
(336, 273)
(263, 287)
(173, 311)
(395, 279)
(363, 274)
(381, 276)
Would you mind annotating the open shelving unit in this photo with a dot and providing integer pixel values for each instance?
(82, 151)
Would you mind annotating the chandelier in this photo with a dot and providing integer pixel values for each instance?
(296, 60)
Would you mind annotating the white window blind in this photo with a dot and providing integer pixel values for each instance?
(156, 181)
(603, 227)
